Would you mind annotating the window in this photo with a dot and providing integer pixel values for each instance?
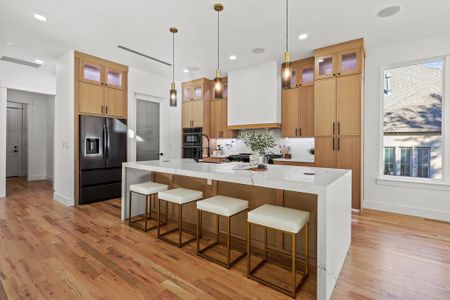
(405, 161)
(412, 124)
(389, 161)
(423, 162)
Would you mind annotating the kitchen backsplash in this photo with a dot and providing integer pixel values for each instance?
(299, 147)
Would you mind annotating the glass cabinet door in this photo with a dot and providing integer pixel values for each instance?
(325, 66)
(91, 72)
(115, 78)
(307, 75)
(198, 92)
(349, 62)
(187, 93)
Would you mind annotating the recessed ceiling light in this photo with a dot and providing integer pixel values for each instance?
(186, 70)
(303, 36)
(233, 57)
(389, 11)
(39, 61)
(40, 17)
(258, 50)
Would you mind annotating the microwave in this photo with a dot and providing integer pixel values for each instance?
(192, 136)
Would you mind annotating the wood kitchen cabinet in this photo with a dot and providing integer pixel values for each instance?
(297, 113)
(101, 87)
(338, 102)
(196, 104)
(302, 72)
(219, 120)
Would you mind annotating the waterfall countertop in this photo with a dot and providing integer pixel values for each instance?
(297, 179)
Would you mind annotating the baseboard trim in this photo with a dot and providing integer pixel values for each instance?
(49, 178)
(408, 210)
(37, 177)
(67, 201)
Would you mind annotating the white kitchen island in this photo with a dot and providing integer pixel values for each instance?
(331, 187)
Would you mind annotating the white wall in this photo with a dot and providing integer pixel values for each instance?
(39, 119)
(2, 141)
(25, 78)
(147, 86)
(50, 137)
(63, 179)
(415, 199)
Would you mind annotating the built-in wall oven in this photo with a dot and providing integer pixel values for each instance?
(192, 142)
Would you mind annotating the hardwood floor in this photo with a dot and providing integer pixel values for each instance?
(48, 250)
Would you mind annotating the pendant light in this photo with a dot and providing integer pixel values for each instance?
(218, 84)
(173, 91)
(286, 71)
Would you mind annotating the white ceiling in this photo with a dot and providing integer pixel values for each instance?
(98, 26)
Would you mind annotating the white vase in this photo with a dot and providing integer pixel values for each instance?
(256, 159)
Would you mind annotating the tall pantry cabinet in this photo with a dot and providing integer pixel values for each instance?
(338, 110)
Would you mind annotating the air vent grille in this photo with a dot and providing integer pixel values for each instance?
(144, 55)
(19, 61)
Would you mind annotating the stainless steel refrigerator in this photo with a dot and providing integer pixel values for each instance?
(103, 143)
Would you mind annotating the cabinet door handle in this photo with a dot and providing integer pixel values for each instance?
(296, 131)
(102, 108)
(106, 109)
(334, 128)
(339, 144)
(300, 132)
(334, 144)
(339, 127)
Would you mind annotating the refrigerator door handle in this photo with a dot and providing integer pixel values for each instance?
(104, 141)
(107, 141)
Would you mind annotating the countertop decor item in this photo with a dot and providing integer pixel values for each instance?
(259, 143)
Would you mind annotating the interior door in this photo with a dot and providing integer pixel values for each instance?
(289, 112)
(116, 142)
(147, 130)
(13, 141)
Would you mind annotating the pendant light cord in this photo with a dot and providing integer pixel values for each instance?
(218, 40)
(287, 26)
(173, 56)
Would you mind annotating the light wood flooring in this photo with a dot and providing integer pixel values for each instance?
(49, 251)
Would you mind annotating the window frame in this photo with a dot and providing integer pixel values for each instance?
(394, 165)
(429, 160)
(411, 161)
(431, 183)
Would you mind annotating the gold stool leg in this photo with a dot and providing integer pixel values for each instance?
(307, 249)
(249, 247)
(218, 233)
(180, 224)
(167, 212)
(229, 242)
(199, 225)
(129, 209)
(146, 213)
(294, 288)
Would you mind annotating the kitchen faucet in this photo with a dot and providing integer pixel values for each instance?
(209, 146)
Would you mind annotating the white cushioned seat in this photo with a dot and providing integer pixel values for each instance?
(222, 205)
(148, 188)
(278, 217)
(180, 195)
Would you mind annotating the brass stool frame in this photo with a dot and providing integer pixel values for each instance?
(161, 236)
(147, 216)
(251, 272)
(201, 252)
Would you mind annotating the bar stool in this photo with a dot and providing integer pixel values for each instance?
(150, 191)
(224, 206)
(286, 220)
(180, 197)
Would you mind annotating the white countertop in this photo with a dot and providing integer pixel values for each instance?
(276, 176)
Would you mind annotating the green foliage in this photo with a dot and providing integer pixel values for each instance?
(259, 143)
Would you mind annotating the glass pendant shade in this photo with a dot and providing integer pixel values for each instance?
(286, 74)
(218, 86)
(173, 95)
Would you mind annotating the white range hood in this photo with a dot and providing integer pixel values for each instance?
(254, 97)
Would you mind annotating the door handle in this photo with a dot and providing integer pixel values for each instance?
(300, 132)
(339, 127)
(334, 128)
(102, 109)
(334, 142)
(296, 131)
(339, 143)
(106, 109)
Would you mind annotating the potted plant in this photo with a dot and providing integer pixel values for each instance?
(259, 143)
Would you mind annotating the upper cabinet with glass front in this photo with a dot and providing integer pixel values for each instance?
(339, 60)
(302, 73)
(193, 90)
(101, 72)
(91, 72)
(115, 78)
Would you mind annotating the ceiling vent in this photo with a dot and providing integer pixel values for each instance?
(144, 55)
(19, 61)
